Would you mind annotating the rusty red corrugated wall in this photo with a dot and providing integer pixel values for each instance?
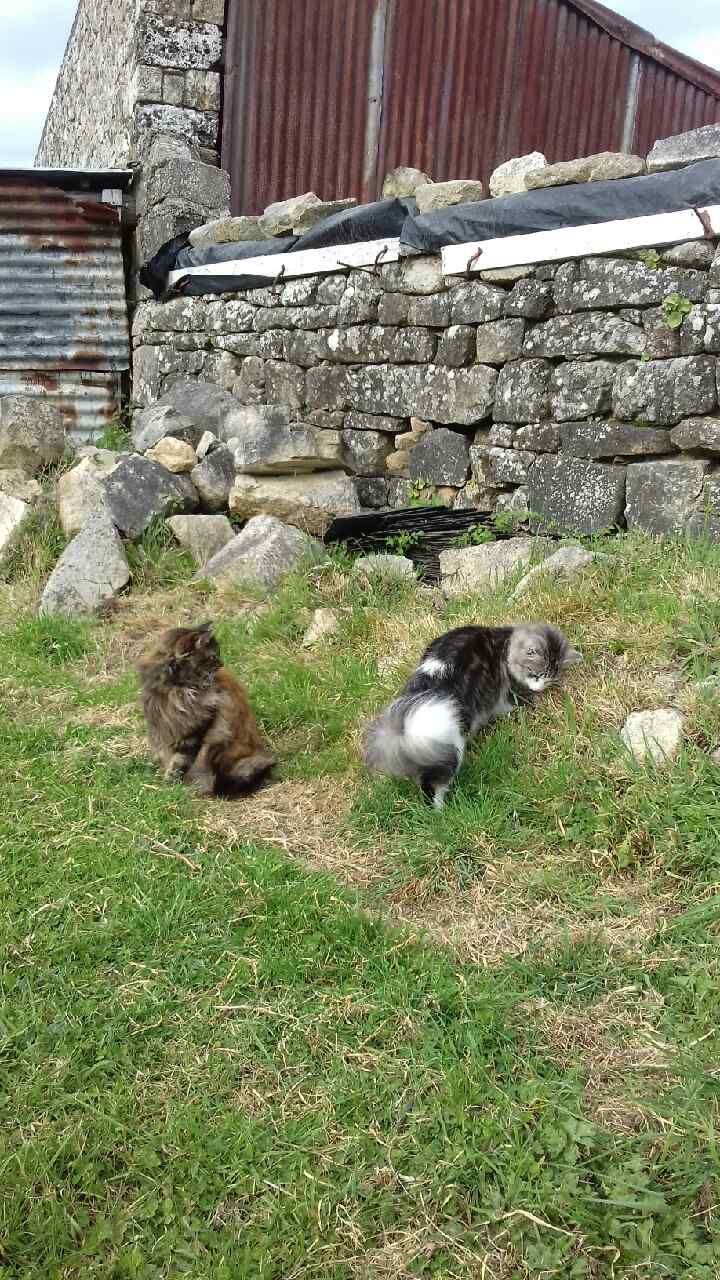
(327, 95)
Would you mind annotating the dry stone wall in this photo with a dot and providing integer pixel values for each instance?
(585, 393)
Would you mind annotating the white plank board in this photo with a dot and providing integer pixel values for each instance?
(578, 242)
(307, 262)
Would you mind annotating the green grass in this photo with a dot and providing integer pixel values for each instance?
(486, 1046)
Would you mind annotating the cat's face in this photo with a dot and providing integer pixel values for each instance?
(186, 656)
(538, 654)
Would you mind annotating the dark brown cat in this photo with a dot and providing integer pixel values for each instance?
(199, 721)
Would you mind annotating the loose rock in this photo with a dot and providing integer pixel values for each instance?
(596, 168)
(510, 177)
(654, 734)
(227, 230)
(404, 181)
(471, 569)
(81, 493)
(323, 624)
(213, 478)
(390, 568)
(309, 502)
(13, 515)
(685, 148)
(160, 420)
(91, 570)
(441, 195)
(138, 490)
(262, 554)
(203, 536)
(283, 215)
(563, 563)
(32, 434)
(17, 485)
(175, 455)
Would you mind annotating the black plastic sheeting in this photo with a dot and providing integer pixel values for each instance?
(434, 529)
(547, 209)
(551, 208)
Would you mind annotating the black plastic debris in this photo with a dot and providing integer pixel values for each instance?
(236, 251)
(551, 208)
(419, 533)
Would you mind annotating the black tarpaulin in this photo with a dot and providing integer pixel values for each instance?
(551, 208)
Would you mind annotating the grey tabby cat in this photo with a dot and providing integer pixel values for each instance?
(465, 679)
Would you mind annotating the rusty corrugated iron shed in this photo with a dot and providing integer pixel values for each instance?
(328, 96)
(63, 312)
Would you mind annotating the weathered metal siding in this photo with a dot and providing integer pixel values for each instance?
(296, 98)
(63, 313)
(328, 95)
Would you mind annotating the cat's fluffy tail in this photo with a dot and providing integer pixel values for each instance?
(416, 737)
(246, 774)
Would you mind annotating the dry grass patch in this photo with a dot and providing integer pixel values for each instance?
(303, 818)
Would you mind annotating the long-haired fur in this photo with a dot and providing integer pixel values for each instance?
(200, 724)
(465, 679)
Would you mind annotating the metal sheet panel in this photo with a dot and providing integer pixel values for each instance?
(328, 96)
(296, 98)
(87, 401)
(62, 282)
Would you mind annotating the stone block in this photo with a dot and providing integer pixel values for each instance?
(208, 407)
(568, 495)
(81, 492)
(475, 302)
(404, 181)
(268, 445)
(447, 396)
(582, 389)
(372, 492)
(389, 568)
(615, 282)
(372, 422)
(414, 275)
(475, 497)
(214, 477)
(595, 168)
(509, 466)
(14, 513)
(661, 342)
(174, 455)
(138, 490)
(431, 309)
(700, 331)
(592, 333)
(284, 384)
(440, 457)
(665, 391)
(692, 253)
(360, 300)
(283, 215)
(301, 292)
(685, 148)
(373, 344)
(169, 42)
(173, 87)
(612, 439)
(309, 502)
(456, 346)
(32, 433)
(393, 308)
(261, 555)
(318, 212)
(530, 299)
(209, 11)
(498, 341)
(364, 452)
(91, 570)
(661, 496)
(509, 177)
(538, 437)
(523, 391)
(226, 231)
(441, 195)
(563, 563)
(478, 569)
(327, 387)
(203, 536)
(15, 484)
(701, 434)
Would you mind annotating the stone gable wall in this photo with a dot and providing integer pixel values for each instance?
(134, 69)
(585, 393)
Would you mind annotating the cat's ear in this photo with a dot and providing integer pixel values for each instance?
(204, 635)
(571, 656)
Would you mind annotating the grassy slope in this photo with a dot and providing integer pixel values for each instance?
(327, 1032)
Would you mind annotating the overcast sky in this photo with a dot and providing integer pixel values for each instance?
(34, 33)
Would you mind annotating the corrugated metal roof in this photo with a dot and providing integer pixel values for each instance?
(329, 96)
(62, 296)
